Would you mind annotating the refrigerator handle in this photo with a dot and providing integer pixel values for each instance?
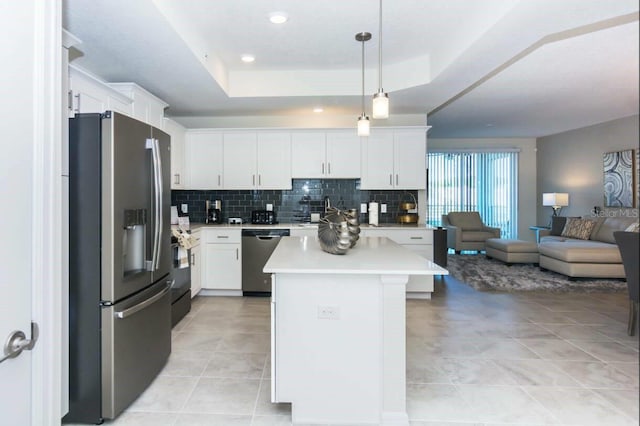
(160, 197)
(152, 144)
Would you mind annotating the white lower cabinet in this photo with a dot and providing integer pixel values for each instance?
(196, 264)
(221, 262)
(419, 240)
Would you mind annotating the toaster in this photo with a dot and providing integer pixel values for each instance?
(263, 217)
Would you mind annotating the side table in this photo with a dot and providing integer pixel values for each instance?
(537, 230)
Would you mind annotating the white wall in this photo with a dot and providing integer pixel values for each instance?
(572, 162)
(526, 179)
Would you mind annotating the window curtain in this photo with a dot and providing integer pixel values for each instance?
(486, 182)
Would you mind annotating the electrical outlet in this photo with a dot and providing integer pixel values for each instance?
(363, 207)
(329, 312)
(269, 207)
(184, 208)
(383, 208)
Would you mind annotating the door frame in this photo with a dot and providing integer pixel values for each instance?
(47, 218)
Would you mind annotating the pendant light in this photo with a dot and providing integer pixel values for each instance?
(363, 120)
(380, 99)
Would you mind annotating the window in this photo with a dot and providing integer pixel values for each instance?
(484, 181)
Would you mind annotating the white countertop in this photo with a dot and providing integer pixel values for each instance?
(371, 255)
(299, 225)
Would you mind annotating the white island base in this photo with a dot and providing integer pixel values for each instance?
(338, 330)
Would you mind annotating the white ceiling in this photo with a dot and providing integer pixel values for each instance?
(491, 68)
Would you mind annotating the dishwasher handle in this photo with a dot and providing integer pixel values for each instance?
(267, 237)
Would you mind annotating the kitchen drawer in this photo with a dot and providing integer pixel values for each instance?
(400, 236)
(221, 236)
(411, 237)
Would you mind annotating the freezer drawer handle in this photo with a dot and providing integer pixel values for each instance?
(140, 306)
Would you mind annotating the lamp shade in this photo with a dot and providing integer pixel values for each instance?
(555, 199)
(363, 125)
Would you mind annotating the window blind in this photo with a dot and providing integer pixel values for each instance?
(486, 182)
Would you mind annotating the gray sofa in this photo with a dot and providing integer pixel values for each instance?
(582, 254)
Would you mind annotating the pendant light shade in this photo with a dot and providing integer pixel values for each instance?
(363, 120)
(363, 126)
(380, 99)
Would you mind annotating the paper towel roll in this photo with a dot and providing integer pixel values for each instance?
(373, 213)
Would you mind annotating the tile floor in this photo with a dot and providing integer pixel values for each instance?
(472, 359)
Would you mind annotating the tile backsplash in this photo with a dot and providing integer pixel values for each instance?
(295, 205)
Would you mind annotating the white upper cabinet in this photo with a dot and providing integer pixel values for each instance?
(90, 95)
(274, 160)
(203, 160)
(145, 107)
(257, 160)
(177, 133)
(394, 159)
(240, 157)
(333, 154)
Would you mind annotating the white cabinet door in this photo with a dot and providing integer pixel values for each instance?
(196, 270)
(308, 152)
(342, 155)
(240, 160)
(394, 159)
(203, 160)
(410, 159)
(274, 160)
(377, 160)
(177, 132)
(222, 267)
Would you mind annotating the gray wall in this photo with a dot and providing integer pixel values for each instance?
(527, 173)
(572, 162)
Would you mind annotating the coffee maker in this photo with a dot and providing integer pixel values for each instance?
(214, 211)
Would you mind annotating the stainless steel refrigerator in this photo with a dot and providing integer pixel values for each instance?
(120, 262)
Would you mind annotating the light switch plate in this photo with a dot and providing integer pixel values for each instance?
(184, 208)
(383, 208)
(363, 207)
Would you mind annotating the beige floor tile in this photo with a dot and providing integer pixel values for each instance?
(607, 351)
(245, 342)
(132, 418)
(596, 374)
(197, 341)
(504, 404)
(576, 332)
(427, 369)
(476, 372)
(264, 406)
(186, 363)
(536, 372)
(165, 394)
(625, 400)
(235, 365)
(223, 396)
(555, 349)
(579, 407)
(504, 349)
(437, 403)
(191, 419)
(630, 369)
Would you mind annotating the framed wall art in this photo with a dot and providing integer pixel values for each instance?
(619, 179)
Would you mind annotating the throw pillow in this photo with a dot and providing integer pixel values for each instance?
(557, 224)
(634, 227)
(578, 228)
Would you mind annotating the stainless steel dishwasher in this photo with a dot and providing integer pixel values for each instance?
(257, 246)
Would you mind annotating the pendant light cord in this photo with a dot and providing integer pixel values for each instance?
(380, 48)
(363, 77)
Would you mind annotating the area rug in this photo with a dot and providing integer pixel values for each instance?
(485, 274)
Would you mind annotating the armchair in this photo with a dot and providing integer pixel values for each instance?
(466, 231)
(629, 245)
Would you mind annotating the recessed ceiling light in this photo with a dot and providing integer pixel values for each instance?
(248, 58)
(278, 18)
(318, 109)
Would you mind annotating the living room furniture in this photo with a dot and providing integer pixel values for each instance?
(628, 243)
(440, 246)
(577, 253)
(511, 251)
(556, 200)
(537, 230)
(466, 231)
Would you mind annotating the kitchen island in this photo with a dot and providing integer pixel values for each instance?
(338, 330)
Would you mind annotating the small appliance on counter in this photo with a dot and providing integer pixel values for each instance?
(263, 217)
(214, 211)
